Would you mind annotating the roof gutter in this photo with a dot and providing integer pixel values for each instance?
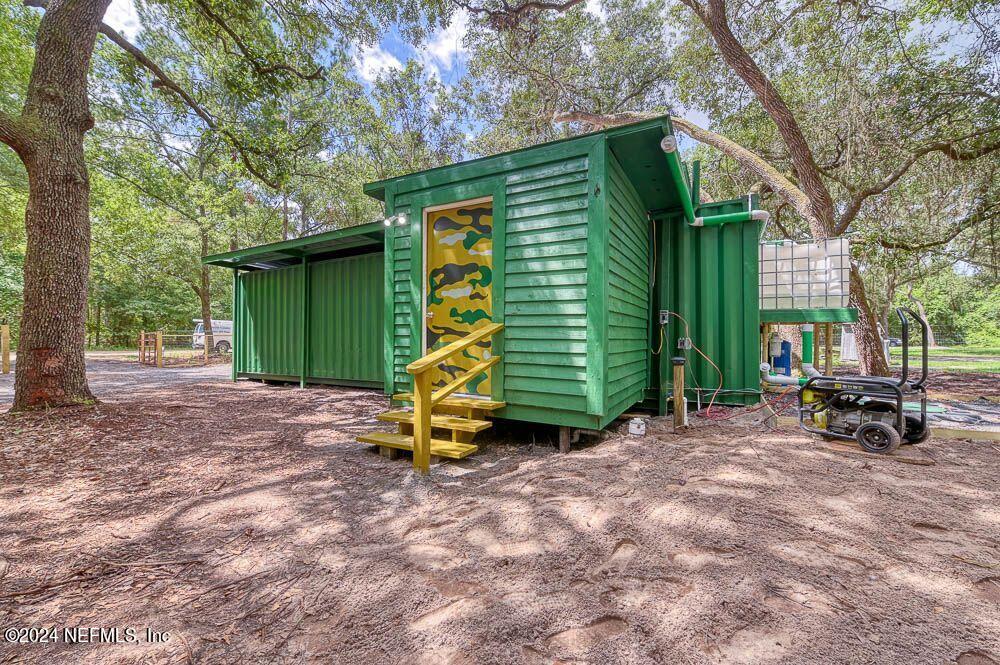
(669, 147)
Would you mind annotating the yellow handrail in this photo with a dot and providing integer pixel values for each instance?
(425, 397)
(435, 357)
(462, 379)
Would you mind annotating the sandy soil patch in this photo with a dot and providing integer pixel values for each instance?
(245, 521)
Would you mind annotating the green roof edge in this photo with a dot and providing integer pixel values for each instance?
(376, 189)
(228, 259)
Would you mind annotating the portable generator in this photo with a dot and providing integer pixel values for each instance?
(870, 409)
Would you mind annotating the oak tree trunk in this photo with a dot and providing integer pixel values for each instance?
(871, 356)
(821, 209)
(49, 139)
(50, 367)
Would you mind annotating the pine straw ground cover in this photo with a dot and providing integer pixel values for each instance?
(247, 524)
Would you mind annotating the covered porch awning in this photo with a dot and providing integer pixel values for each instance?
(342, 242)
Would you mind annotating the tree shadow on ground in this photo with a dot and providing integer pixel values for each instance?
(246, 521)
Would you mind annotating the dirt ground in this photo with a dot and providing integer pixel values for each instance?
(243, 520)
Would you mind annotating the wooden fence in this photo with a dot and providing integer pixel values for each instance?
(158, 349)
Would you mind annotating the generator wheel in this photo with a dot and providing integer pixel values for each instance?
(877, 438)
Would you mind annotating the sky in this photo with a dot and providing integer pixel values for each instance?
(443, 55)
(121, 16)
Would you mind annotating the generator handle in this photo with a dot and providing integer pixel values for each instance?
(925, 333)
(901, 313)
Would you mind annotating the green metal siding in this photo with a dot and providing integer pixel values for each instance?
(345, 319)
(342, 312)
(628, 293)
(573, 244)
(709, 276)
(268, 326)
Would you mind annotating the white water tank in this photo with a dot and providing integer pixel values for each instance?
(805, 275)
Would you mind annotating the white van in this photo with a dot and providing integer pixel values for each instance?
(222, 335)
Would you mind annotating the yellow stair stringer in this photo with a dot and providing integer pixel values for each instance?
(463, 417)
(438, 409)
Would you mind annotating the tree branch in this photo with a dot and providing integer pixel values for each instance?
(598, 121)
(713, 15)
(777, 220)
(773, 178)
(508, 16)
(947, 148)
(142, 190)
(14, 134)
(781, 27)
(982, 213)
(248, 55)
(162, 80)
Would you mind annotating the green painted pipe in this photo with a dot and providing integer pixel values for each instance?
(669, 146)
(676, 169)
(807, 344)
(726, 218)
(696, 182)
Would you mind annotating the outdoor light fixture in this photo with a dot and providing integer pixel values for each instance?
(399, 219)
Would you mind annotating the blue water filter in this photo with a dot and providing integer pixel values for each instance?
(784, 363)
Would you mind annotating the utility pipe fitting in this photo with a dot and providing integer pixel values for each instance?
(669, 146)
(808, 330)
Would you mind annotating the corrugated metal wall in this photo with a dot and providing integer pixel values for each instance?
(709, 276)
(345, 319)
(269, 327)
(628, 292)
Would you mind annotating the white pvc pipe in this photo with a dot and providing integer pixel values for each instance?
(776, 379)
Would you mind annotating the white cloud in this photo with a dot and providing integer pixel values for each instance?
(123, 17)
(697, 117)
(446, 49)
(373, 61)
(596, 8)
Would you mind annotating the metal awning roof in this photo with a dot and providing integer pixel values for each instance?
(366, 237)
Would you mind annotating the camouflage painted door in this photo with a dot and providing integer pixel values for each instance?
(459, 289)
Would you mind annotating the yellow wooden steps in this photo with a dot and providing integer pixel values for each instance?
(460, 402)
(438, 420)
(439, 447)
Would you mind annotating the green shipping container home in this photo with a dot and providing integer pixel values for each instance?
(574, 251)
(310, 309)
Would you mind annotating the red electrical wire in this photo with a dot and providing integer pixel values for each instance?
(756, 408)
(711, 402)
(687, 334)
